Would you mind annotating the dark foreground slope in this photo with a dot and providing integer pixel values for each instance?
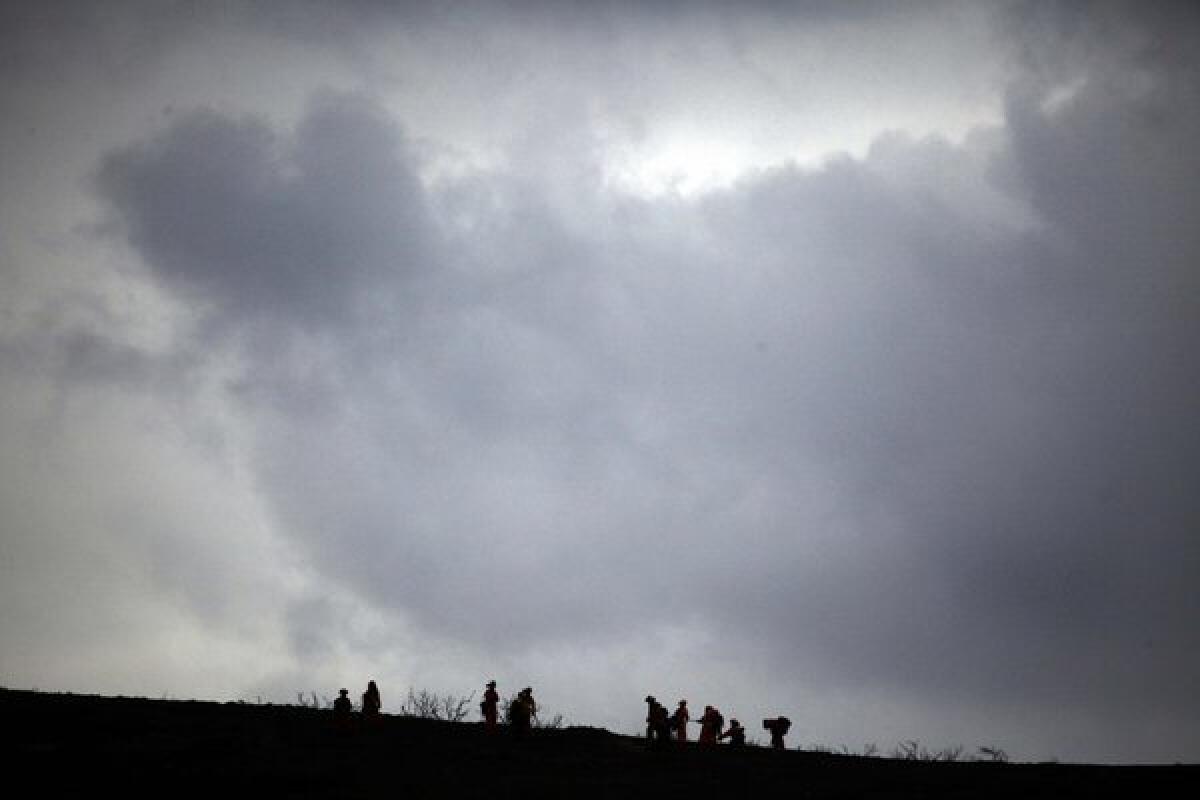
(79, 745)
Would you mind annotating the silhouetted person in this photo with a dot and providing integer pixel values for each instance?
(521, 712)
(518, 717)
(342, 709)
(710, 725)
(679, 721)
(371, 703)
(736, 734)
(658, 723)
(530, 703)
(778, 728)
(490, 706)
(662, 725)
(650, 705)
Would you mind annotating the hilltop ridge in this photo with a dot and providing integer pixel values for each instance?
(75, 745)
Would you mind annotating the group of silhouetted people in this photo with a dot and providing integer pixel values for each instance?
(343, 709)
(663, 726)
(521, 712)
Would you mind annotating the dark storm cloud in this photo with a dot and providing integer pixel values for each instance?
(917, 365)
(1013, 409)
(302, 229)
(920, 421)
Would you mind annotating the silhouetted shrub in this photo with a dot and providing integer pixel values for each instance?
(912, 750)
(314, 702)
(869, 750)
(554, 722)
(431, 705)
(995, 754)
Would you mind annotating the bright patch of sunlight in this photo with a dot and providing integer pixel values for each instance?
(680, 165)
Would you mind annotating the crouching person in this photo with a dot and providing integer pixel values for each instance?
(736, 734)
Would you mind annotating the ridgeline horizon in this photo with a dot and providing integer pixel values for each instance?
(142, 744)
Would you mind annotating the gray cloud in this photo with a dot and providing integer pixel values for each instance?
(914, 425)
(980, 398)
(299, 231)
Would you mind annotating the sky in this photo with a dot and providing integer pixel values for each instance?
(833, 360)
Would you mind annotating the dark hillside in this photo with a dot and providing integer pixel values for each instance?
(81, 745)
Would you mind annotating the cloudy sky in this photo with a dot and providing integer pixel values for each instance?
(827, 359)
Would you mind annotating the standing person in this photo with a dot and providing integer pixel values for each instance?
(661, 722)
(342, 708)
(651, 704)
(709, 727)
(736, 734)
(520, 714)
(680, 721)
(490, 707)
(371, 703)
(530, 703)
(658, 723)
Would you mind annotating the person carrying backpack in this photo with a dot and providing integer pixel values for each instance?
(519, 718)
(778, 728)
